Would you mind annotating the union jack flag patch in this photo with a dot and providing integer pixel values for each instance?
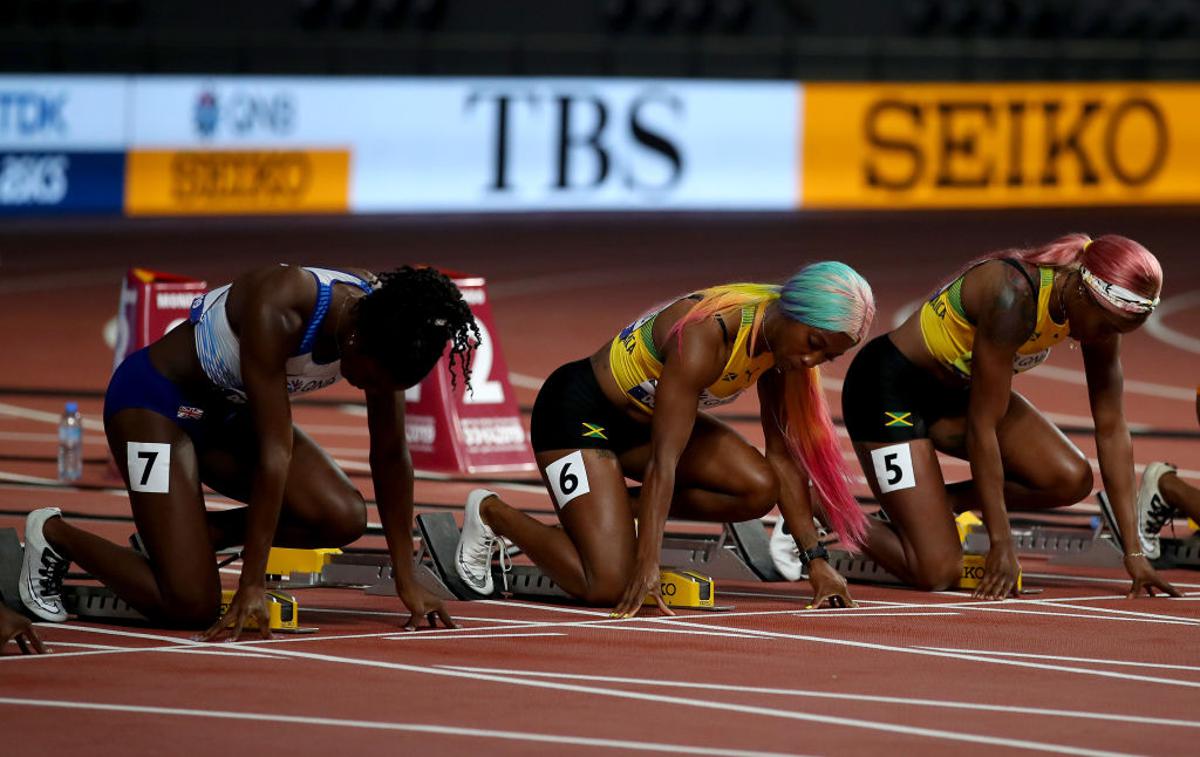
(189, 413)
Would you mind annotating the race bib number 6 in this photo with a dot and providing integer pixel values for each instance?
(567, 478)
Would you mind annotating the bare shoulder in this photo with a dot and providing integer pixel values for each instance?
(288, 289)
(999, 298)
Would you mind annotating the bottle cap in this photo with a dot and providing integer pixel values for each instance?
(72, 407)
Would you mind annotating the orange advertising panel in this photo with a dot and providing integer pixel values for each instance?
(988, 145)
(170, 182)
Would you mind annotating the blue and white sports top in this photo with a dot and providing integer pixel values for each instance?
(218, 347)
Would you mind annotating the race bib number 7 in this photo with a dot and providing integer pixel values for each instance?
(149, 467)
(567, 478)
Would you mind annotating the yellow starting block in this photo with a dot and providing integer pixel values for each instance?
(973, 572)
(964, 522)
(284, 562)
(686, 588)
(282, 607)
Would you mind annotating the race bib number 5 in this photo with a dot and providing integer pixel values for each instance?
(893, 468)
(567, 478)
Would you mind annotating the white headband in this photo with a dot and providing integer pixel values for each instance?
(1118, 296)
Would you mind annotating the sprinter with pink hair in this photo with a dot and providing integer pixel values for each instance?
(942, 381)
(634, 409)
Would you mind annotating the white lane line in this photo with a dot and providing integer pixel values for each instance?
(548, 608)
(813, 694)
(1093, 579)
(945, 655)
(1159, 330)
(524, 381)
(745, 709)
(818, 616)
(1132, 386)
(1128, 613)
(271, 718)
(1094, 660)
(872, 725)
(1083, 616)
(421, 636)
(386, 614)
(46, 417)
(22, 436)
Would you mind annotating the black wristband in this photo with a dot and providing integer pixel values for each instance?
(817, 552)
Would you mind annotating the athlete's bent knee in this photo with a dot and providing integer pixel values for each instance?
(347, 521)
(191, 612)
(938, 575)
(761, 492)
(1078, 483)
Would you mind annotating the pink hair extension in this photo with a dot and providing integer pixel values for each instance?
(1113, 258)
(814, 447)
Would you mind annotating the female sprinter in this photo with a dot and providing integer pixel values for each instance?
(631, 410)
(208, 404)
(943, 381)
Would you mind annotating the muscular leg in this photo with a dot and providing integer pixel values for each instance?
(923, 547)
(592, 556)
(179, 584)
(321, 507)
(1181, 496)
(1042, 468)
(720, 476)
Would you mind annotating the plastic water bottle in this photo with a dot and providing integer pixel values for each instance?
(70, 444)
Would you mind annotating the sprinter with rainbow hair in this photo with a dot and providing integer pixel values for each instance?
(942, 382)
(636, 409)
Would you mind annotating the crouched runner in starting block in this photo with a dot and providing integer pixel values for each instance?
(637, 409)
(208, 404)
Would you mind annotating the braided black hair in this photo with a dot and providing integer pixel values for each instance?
(406, 322)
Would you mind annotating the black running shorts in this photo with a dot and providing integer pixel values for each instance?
(571, 412)
(886, 398)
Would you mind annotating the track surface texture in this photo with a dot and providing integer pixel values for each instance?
(1075, 669)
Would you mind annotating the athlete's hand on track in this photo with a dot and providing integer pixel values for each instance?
(1000, 572)
(643, 582)
(250, 602)
(422, 604)
(14, 627)
(1145, 578)
(829, 587)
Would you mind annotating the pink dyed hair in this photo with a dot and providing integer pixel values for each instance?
(1115, 259)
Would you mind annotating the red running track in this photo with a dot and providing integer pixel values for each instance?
(1074, 669)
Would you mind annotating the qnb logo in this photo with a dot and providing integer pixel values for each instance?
(584, 141)
(243, 114)
(33, 179)
(1015, 144)
(32, 114)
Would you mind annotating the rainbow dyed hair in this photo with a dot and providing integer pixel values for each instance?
(830, 296)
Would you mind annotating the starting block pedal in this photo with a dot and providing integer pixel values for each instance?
(686, 589)
(298, 565)
(973, 572)
(283, 609)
